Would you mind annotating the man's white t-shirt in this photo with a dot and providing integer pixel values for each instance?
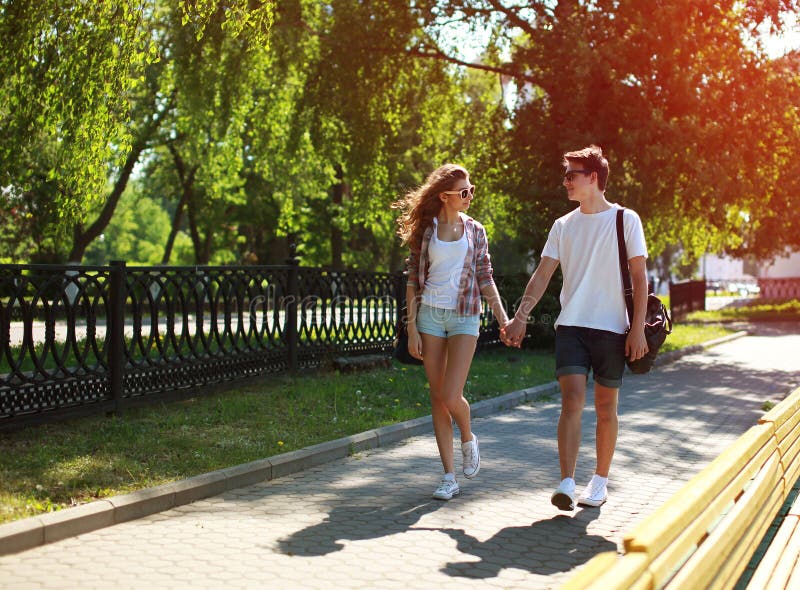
(586, 247)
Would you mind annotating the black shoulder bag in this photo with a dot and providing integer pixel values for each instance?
(657, 323)
(401, 342)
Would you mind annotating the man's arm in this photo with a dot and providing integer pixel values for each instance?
(515, 330)
(635, 344)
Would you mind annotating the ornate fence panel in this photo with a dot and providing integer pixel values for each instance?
(80, 340)
(53, 340)
(345, 312)
(191, 327)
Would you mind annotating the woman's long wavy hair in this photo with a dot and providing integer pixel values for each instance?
(419, 206)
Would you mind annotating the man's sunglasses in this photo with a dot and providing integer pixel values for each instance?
(463, 193)
(570, 176)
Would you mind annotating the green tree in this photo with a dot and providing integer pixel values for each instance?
(65, 70)
(689, 109)
(137, 232)
(84, 93)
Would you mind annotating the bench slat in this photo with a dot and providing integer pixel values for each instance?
(710, 557)
(788, 562)
(782, 411)
(686, 541)
(781, 430)
(593, 569)
(656, 532)
(739, 557)
(772, 557)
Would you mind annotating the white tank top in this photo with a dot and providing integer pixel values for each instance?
(446, 263)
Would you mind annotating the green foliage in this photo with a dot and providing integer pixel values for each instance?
(137, 234)
(66, 69)
(691, 114)
(685, 334)
(76, 78)
(243, 114)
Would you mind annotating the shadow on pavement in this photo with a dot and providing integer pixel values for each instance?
(545, 547)
(355, 522)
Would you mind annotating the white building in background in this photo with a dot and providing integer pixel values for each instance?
(717, 268)
(777, 279)
(781, 268)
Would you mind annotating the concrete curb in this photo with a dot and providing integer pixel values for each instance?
(46, 528)
(674, 355)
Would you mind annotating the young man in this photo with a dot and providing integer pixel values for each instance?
(593, 331)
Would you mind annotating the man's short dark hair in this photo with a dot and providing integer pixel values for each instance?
(590, 158)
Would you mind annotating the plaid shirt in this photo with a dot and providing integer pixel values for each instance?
(476, 273)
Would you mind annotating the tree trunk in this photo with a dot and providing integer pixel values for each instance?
(337, 198)
(81, 239)
(186, 178)
(201, 249)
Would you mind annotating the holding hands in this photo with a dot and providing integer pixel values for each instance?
(512, 332)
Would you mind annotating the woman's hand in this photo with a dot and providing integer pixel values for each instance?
(512, 333)
(414, 342)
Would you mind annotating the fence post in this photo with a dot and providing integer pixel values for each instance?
(292, 299)
(116, 332)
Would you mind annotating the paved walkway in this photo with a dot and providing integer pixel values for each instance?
(368, 521)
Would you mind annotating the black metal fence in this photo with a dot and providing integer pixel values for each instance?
(686, 297)
(82, 340)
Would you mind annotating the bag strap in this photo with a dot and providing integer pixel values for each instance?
(623, 264)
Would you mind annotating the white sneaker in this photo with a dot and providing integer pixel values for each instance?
(595, 494)
(564, 496)
(472, 457)
(447, 489)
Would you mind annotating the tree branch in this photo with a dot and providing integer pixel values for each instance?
(511, 71)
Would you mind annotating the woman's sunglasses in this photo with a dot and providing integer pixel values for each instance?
(463, 193)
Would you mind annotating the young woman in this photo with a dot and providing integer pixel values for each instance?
(448, 271)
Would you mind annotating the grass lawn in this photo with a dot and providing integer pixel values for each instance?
(754, 310)
(684, 335)
(50, 467)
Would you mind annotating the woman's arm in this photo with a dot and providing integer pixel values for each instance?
(492, 296)
(412, 303)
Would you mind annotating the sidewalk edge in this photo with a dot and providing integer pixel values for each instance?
(674, 355)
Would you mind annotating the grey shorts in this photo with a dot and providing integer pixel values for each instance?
(579, 350)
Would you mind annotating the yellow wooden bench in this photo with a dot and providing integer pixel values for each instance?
(779, 568)
(706, 533)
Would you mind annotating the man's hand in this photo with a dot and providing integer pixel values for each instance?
(636, 345)
(512, 333)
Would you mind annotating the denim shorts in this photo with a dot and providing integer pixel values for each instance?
(446, 322)
(579, 350)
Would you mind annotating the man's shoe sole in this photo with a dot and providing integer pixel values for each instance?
(591, 503)
(562, 501)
